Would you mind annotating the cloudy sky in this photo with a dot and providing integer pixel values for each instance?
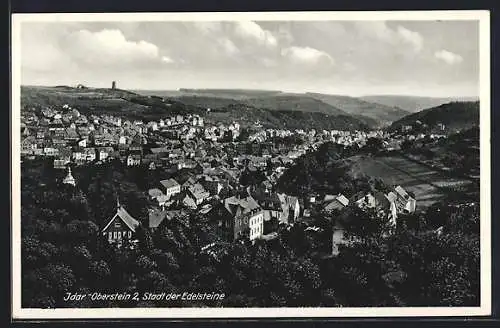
(427, 58)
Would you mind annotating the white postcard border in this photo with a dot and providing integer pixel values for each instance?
(175, 313)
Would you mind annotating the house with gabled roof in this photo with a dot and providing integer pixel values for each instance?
(28, 145)
(133, 160)
(154, 193)
(104, 152)
(240, 216)
(365, 201)
(90, 154)
(386, 205)
(212, 184)
(270, 204)
(188, 201)
(291, 208)
(198, 193)
(122, 226)
(71, 135)
(337, 202)
(170, 187)
(156, 218)
(188, 183)
(25, 131)
(82, 142)
(404, 202)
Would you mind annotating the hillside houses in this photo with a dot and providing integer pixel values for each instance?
(200, 166)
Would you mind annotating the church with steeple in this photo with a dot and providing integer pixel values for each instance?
(69, 180)
(121, 226)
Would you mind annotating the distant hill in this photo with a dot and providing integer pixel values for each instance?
(373, 114)
(455, 115)
(413, 103)
(206, 101)
(289, 119)
(283, 112)
(235, 94)
(300, 103)
(232, 93)
(355, 106)
(159, 93)
(103, 101)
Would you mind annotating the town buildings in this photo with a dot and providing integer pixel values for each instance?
(203, 162)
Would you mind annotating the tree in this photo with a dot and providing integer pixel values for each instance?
(100, 270)
(36, 254)
(145, 264)
(374, 145)
(81, 232)
(406, 145)
(60, 278)
(146, 243)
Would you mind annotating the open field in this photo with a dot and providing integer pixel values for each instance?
(427, 185)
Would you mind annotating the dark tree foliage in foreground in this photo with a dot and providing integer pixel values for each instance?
(62, 251)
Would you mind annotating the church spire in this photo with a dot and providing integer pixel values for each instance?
(69, 178)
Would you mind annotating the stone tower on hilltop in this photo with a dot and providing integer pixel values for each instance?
(113, 85)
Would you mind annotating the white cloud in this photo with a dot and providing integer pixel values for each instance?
(306, 55)
(448, 57)
(411, 37)
(167, 60)
(110, 47)
(253, 31)
(228, 46)
(381, 31)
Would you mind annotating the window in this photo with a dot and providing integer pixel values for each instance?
(119, 234)
(114, 235)
(130, 234)
(110, 236)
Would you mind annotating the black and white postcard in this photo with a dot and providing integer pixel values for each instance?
(249, 165)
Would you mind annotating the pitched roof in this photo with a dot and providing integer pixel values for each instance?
(401, 192)
(169, 183)
(71, 133)
(156, 217)
(190, 181)
(125, 217)
(343, 200)
(159, 150)
(155, 192)
(391, 197)
(162, 198)
(106, 149)
(240, 206)
(198, 191)
(329, 197)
